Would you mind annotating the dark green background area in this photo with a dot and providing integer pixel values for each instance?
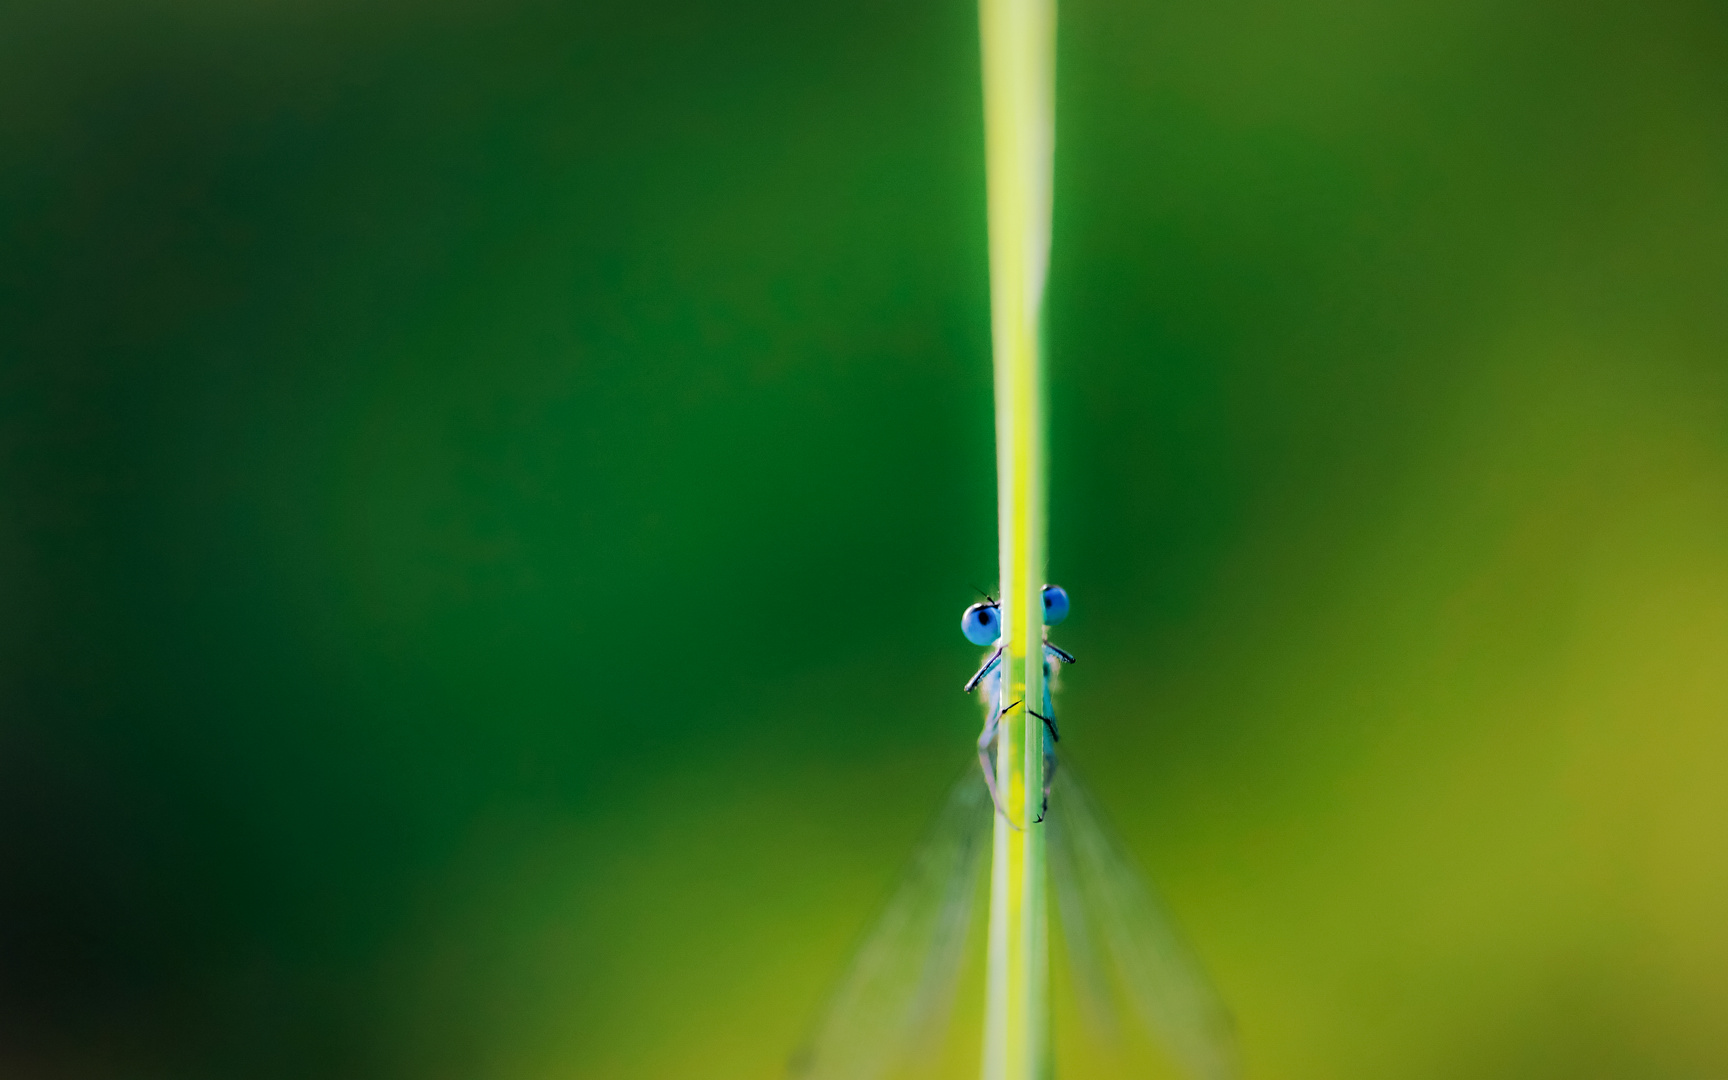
(487, 491)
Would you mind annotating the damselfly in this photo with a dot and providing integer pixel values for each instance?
(982, 625)
(1133, 978)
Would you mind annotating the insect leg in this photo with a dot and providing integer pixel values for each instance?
(1049, 773)
(978, 676)
(1051, 738)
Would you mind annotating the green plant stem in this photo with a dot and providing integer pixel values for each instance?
(1018, 45)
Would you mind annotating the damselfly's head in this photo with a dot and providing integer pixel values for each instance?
(982, 623)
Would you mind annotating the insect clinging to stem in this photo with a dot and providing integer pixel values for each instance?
(1130, 968)
(982, 625)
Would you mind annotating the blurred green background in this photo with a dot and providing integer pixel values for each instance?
(489, 489)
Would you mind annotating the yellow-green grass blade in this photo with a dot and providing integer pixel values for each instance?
(1018, 45)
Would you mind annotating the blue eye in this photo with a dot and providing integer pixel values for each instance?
(982, 624)
(1055, 604)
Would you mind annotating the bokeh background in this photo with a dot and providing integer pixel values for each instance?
(489, 489)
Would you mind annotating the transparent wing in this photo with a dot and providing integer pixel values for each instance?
(893, 1001)
(1123, 947)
